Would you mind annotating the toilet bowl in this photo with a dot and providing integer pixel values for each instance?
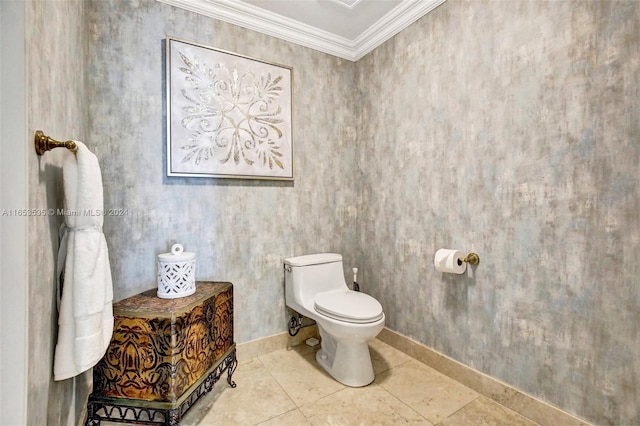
(315, 287)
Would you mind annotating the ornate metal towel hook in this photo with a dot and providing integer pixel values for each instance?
(45, 143)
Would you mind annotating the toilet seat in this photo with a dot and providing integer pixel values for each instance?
(348, 306)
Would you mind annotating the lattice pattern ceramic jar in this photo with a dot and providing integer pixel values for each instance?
(176, 273)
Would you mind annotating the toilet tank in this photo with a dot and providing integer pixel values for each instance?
(306, 276)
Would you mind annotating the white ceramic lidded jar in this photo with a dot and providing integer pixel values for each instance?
(176, 273)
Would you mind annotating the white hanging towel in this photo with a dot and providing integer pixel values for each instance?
(85, 296)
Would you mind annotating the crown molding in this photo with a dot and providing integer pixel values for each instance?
(403, 15)
(266, 22)
(346, 3)
(257, 19)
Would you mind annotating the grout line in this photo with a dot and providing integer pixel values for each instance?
(281, 414)
(283, 389)
(402, 402)
(459, 409)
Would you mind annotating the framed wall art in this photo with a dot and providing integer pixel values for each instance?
(228, 115)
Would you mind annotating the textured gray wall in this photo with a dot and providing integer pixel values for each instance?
(511, 129)
(508, 128)
(56, 93)
(240, 230)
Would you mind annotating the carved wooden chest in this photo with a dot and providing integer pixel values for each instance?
(164, 354)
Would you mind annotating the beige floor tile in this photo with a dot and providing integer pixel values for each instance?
(258, 397)
(484, 412)
(291, 418)
(288, 388)
(430, 393)
(384, 356)
(284, 357)
(300, 375)
(369, 405)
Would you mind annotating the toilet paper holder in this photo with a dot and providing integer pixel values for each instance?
(471, 259)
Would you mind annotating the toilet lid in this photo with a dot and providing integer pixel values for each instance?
(349, 306)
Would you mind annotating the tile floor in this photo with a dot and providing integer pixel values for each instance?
(287, 387)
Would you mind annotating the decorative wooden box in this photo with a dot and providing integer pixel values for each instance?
(164, 354)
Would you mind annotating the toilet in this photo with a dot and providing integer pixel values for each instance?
(315, 287)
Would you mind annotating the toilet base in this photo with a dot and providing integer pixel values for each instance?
(347, 362)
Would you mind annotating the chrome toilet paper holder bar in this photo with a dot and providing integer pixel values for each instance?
(471, 259)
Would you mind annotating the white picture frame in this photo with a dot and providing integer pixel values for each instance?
(228, 115)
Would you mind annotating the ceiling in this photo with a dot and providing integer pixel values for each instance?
(348, 29)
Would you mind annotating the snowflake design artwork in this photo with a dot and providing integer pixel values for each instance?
(232, 116)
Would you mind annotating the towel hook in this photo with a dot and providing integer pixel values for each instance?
(45, 143)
